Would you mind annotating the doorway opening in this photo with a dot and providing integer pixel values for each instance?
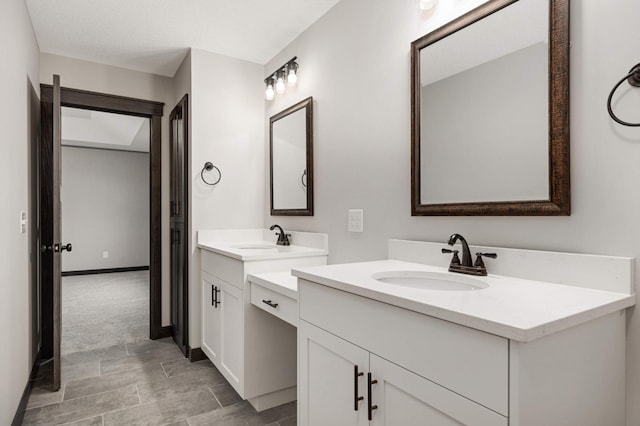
(80, 102)
(105, 213)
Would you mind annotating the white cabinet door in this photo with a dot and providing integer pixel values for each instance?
(230, 309)
(404, 398)
(211, 319)
(328, 378)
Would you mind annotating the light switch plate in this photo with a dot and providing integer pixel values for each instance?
(355, 220)
(105, 254)
(23, 222)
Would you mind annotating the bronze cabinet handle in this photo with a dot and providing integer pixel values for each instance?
(356, 398)
(370, 406)
(270, 303)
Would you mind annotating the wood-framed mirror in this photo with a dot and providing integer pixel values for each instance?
(490, 113)
(291, 160)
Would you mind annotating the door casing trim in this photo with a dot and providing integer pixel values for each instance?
(120, 105)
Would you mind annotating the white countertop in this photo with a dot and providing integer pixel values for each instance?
(239, 250)
(514, 308)
(280, 282)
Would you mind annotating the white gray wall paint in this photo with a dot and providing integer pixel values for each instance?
(105, 207)
(78, 74)
(355, 62)
(18, 75)
(227, 129)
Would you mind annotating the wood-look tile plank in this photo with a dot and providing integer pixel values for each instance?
(291, 421)
(93, 421)
(42, 396)
(242, 414)
(149, 345)
(166, 411)
(82, 408)
(108, 382)
(70, 372)
(225, 393)
(183, 366)
(111, 352)
(139, 360)
(177, 385)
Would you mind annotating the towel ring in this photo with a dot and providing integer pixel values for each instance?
(633, 78)
(208, 166)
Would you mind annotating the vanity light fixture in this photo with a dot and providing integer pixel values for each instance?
(275, 82)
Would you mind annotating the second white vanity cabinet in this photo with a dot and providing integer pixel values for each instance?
(254, 350)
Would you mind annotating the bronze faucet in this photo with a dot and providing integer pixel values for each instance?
(283, 239)
(465, 266)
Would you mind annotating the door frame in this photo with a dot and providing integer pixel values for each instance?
(120, 105)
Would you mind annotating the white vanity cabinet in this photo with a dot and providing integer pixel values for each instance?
(516, 351)
(336, 374)
(422, 370)
(254, 350)
(222, 326)
(430, 371)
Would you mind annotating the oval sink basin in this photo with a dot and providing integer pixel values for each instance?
(425, 280)
(254, 246)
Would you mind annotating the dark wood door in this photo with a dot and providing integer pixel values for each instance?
(55, 246)
(178, 222)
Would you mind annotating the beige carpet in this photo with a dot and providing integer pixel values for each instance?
(104, 310)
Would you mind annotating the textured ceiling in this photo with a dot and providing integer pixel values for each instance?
(155, 35)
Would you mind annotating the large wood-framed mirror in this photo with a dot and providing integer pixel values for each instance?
(291, 160)
(490, 112)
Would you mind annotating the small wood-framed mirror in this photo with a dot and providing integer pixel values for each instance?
(490, 113)
(291, 160)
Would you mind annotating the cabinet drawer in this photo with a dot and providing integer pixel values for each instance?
(223, 267)
(286, 309)
(469, 362)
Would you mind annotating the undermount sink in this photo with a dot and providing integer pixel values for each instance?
(254, 246)
(426, 280)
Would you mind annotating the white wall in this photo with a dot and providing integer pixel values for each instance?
(18, 73)
(355, 62)
(78, 74)
(226, 128)
(105, 207)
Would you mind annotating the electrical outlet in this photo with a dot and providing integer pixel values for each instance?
(355, 220)
(105, 254)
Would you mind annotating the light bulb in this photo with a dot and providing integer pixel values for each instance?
(292, 78)
(269, 93)
(280, 85)
(427, 4)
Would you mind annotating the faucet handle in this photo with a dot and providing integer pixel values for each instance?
(479, 262)
(455, 260)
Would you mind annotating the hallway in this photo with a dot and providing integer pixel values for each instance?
(143, 383)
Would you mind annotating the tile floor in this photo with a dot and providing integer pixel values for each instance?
(143, 383)
(131, 381)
